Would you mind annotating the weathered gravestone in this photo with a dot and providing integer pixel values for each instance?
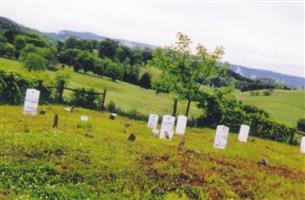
(243, 133)
(113, 116)
(31, 102)
(167, 127)
(303, 145)
(84, 118)
(153, 121)
(181, 124)
(221, 137)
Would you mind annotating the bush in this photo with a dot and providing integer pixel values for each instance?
(111, 107)
(7, 50)
(233, 113)
(85, 98)
(301, 125)
(35, 61)
(267, 92)
(145, 81)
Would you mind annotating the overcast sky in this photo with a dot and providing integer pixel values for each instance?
(254, 34)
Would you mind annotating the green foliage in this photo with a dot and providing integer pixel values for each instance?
(7, 50)
(111, 107)
(223, 109)
(85, 98)
(19, 42)
(145, 81)
(301, 125)
(114, 71)
(34, 61)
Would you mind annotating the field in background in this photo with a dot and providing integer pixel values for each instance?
(284, 106)
(94, 160)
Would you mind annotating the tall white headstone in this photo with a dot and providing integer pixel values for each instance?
(243, 133)
(303, 144)
(31, 102)
(221, 137)
(167, 127)
(153, 121)
(181, 124)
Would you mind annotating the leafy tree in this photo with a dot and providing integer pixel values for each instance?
(107, 48)
(114, 71)
(19, 42)
(183, 72)
(7, 50)
(71, 43)
(35, 61)
(145, 80)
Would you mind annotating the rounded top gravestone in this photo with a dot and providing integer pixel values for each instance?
(31, 102)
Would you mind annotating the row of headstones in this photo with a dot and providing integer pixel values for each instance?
(221, 136)
(167, 125)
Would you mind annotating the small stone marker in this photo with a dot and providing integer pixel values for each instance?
(181, 144)
(221, 137)
(181, 124)
(84, 118)
(243, 133)
(113, 116)
(132, 137)
(42, 112)
(167, 127)
(31, 102)
(155, 132)
(303, 144)
(55, 121)
(153, 121)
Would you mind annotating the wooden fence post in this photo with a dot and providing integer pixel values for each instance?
(175, 107)
(60, 91)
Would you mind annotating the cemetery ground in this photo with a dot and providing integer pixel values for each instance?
(94, 160)
(284, 106)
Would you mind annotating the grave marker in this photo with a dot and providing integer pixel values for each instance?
(181, 124)
(221, 137)
(303, 145)
(167, 127)
(243, 133)
(31, 102)
(84, 118)
(153, 121)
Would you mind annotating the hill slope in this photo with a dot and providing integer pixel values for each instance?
(94, 160)
(289, 80)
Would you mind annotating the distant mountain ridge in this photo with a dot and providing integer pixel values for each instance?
(64, 34)
(289, 80)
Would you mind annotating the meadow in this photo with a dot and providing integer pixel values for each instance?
(285, 106)
(94, 160)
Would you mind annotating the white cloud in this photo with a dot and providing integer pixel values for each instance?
(260, 35)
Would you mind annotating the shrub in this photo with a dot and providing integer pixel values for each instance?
(34, 61)
(145, 81)
(85, 98)
(111, 107)
(301, 125)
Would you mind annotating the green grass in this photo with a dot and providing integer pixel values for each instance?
(94, 160)
(284, 106)
(127, 96)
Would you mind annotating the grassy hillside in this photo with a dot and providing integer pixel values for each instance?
(284, 106)
(94, 160)
(126, 96)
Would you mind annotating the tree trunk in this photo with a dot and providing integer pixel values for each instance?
(60, 91)
(188, 107)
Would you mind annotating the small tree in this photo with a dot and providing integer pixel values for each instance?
(145, 81)
(182, 71)
(35, 62)
(114, 71)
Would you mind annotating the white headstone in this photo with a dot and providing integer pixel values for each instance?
(181, 125)
(303, 144)
(84, 118)
(31, 102)
(243, 133)
(153, 121)
(221, 137)
(167, 127)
